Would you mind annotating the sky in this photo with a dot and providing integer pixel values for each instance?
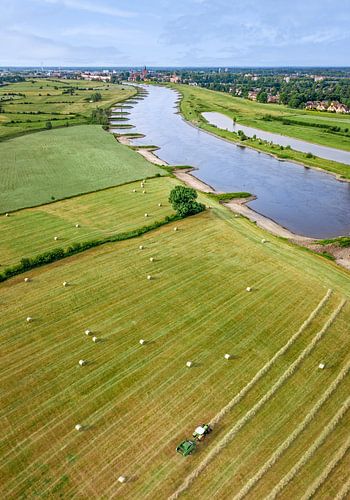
(175, 33)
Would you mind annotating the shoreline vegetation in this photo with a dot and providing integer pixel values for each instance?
(191, 109)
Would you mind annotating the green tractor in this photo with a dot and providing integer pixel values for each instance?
(186, 447)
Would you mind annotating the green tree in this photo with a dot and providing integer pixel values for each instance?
(48, 125)
(183, 201)
(262, 97)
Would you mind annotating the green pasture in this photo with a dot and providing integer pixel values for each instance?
(55, 164)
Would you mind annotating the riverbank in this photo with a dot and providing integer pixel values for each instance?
(191, 111)
(239, 206)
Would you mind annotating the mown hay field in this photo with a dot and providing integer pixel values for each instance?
(56, 164)
(137, 403)
(30, 232)
(27, 106)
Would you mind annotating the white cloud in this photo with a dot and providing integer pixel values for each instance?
(27, 49)
(92, 6)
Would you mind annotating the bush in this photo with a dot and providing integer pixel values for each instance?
(183, 201)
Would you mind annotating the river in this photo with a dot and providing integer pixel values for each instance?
(304, 200)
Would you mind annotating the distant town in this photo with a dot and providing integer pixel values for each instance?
(320, 89)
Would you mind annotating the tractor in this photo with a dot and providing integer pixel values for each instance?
(201, 431)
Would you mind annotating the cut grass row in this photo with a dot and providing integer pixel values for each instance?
(251, 413)
(56, 164)
(277, 436)
(197, 100)
(141, 401)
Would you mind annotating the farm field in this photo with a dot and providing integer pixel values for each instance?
(55, 164)
(27, 106)
(196, 100)
(31, 231)
(137, 403)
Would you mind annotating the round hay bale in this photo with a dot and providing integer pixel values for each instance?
(141, 247)
(95, 339)
(321, 366)
(149, 277)
(249, 289)
(189, 364)
(55, 238)
(159, 204)
(134, 190)
(77, 225)
(142, 184)
(88, 332)
(142, 341)
(78, 427)
(151, 259)
(175, 228)
(146, 215)
(82, 362)
(144, 192)
(227, 356)
(263, 240)
(29, 319)
(65, 283)
(26, 280)
(121, 479)
(7, 215)
(236, 215)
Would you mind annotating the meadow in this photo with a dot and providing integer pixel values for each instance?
(55, 164)
(137, 402)
(196, 100)
(30, 232)
(28, 106)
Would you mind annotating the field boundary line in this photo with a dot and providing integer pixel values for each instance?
(326, 471)
(271, 362)
(344, 490)
(251, 413)
(293, 436)
(310, 451)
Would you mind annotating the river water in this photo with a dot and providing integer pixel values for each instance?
(303, 200)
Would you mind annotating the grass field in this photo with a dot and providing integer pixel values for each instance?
(197, 100)
(138, 402)
(36, 101)
(55, 164)
(31, 231)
